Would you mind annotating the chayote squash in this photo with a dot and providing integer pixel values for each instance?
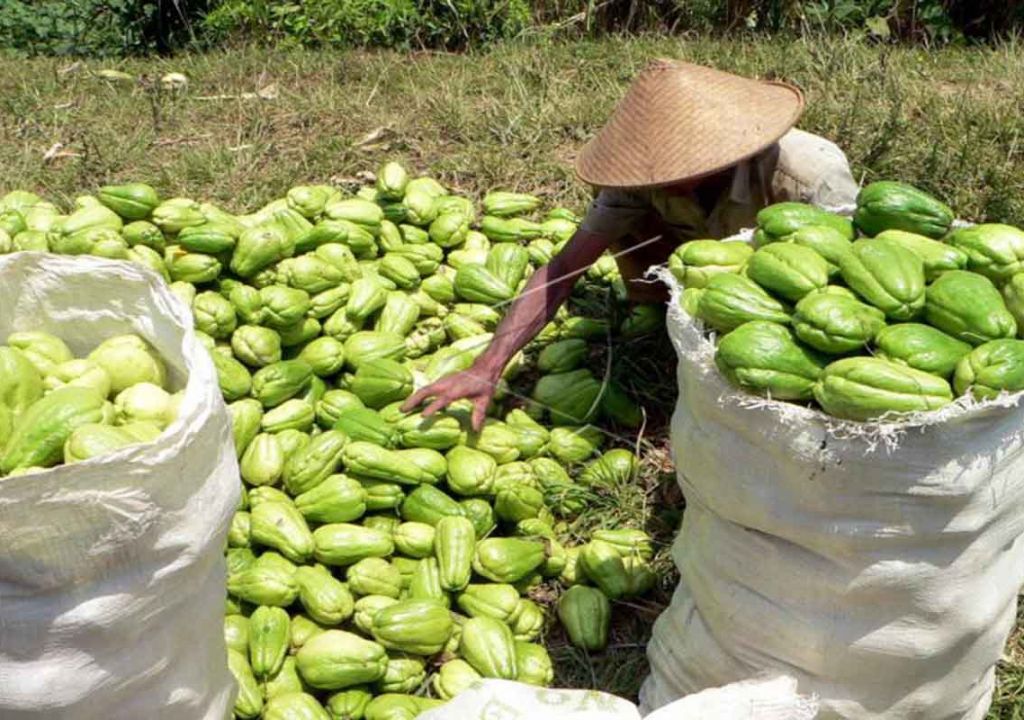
(94, 439)
(533, 664)
(993, 250)
(968, 306)
(342, 544)
(585, 613)
(788, 270)
(280, 381)
(507, 204)
(20, 381)
(335, 659)
(285, 682)
(499, 601)
(269, 629)
(313, 463)
(778, 222)
(488, 646)
(403, 674)
(415, 539)
(866, 388)
(419, 627)
(476, 283)
(349, 704)
(508, 560)
(428, 504)
(765, 358)
(508, 262)
(366, 346)
(365, 425)
(454, 544)
(828, 242)
(499, 230)
(695, 262)
(603, 564)
(129, 360)
(294, 706)
(728, 301)
(41, 431)
(453, 678)
(326, 599)
(365, 459)
(1013, 296)
(381, 382)
(425, 582)
(836, 324)
(279, 525)
(375, 576)
(262, 463)
(991, 369)
(258, 248)
(268, 581)
(437, 432)
(616, 467)
(888, 205)
(938, 257)
(570, 397)
(886, 275)
(921, 347)
(337, 499)
(249, 701)
(43, 350)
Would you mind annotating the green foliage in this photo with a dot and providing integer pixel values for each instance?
(126, 27)
(95, 27)
(451, 24)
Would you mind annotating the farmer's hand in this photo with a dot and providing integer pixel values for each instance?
(477, 385)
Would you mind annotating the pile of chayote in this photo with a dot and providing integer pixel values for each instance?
(381, 562)
(902, 319)
(55, 408)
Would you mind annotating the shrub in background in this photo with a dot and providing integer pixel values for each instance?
(97, 27)
(122, 27)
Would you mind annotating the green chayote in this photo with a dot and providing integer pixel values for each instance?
(990, 369)
(866, 388)
(887, 275)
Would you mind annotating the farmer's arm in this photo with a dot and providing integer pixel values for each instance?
(545, 291)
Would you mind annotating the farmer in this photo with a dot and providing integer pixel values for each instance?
(689, 153)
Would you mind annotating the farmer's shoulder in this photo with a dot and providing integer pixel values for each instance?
(812, 169)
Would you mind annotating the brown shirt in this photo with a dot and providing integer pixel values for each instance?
(800, 167)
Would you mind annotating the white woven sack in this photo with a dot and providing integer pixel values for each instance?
(767, 699)
(877, 563)
(112, 570)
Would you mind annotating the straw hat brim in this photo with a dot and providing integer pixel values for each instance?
(680, 122)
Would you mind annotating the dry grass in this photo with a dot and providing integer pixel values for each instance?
(950, 121)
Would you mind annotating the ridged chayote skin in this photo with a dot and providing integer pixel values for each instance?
(835, 324)
(765, 358)
(866, 388)
(991, 369)
(886, 275)
(921, 347)
(967, 306)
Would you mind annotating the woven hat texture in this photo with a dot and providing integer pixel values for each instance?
(680, 121)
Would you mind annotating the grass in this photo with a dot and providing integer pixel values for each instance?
(254, 122)
(949, 121)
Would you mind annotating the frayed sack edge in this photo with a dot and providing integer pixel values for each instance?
(696, 346)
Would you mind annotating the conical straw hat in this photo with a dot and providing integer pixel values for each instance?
(680, 121)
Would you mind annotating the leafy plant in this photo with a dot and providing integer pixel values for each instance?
(452, 24)
(95, 27)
